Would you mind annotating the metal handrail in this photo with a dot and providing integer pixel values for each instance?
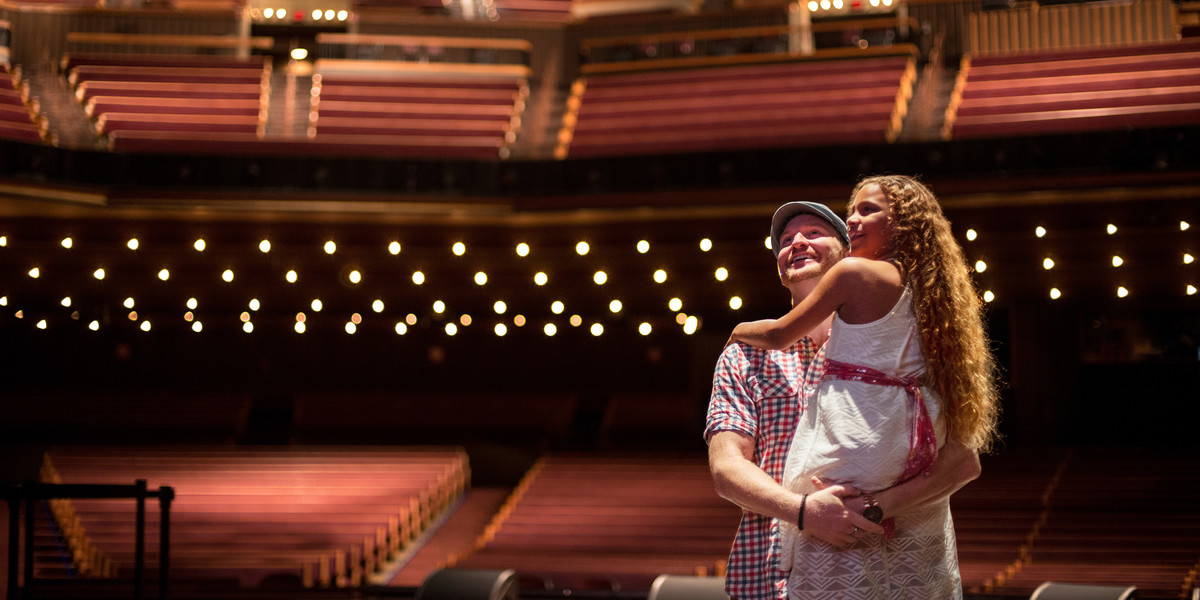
(32, 491)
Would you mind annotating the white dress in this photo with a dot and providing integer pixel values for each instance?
(860, 433)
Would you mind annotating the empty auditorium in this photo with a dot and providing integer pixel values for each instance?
(432, 299)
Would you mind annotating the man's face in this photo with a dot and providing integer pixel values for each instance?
(808, 246)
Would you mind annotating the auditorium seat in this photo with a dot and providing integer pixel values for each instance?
(20, 115)
(1142, 86)
(609, 523)
(176, 94)
(320, 517)
(808, 102)
(478, 111)
(1115, 517)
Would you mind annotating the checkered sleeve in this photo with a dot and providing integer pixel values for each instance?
(731, 405)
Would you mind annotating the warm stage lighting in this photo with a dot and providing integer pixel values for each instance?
(98, 273)
(355, 277)
(971, 235)
(721, 274)
(197, 327)
(465, 320)
(481, 278)
(615, 306)
(67, 243)
(291, 277)
(439, 307)
(459, 248)
(255, 304)
(227, 276)
(735, 303)
(129, 303)
(980, 266)
(1048, 264)
(1183, 225)
(330, 247)
(192, 303)
(600, 277)
(248, 327)
(451, 329)
(35, 273)
(199, 245)
(316, 305)
(675, 304)
(501, 329)
(1055, 294)
(1117, 261)
(394, 248)
(645, 328)
(418, 277)
(164, 274)
(500, 307)
(1188, 258)
(557, 307)
(1191, 290)
(41, 324)
(377, 306)
(66, 302)
(582, 248)
(706, 245)
(145, 326)
(643, 247)
(351, 328)
(540, 278)
(1111, 229)
(550, 329)
(1122, 291)
(264, 246)
(691, 325)
(1040, 231)
(94, 326)
(597, 329)
(401, 328)
(522, 249)
(988, 296)
(660, 276)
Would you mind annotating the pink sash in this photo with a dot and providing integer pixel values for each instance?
(922, 445)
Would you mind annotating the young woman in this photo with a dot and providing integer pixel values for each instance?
(907, 367)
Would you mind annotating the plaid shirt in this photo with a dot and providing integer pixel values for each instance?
(755, 393)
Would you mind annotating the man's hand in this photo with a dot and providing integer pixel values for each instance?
(828, 518)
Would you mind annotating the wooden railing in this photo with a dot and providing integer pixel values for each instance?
(1070, 26)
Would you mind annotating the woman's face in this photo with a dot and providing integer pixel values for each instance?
(869, 223)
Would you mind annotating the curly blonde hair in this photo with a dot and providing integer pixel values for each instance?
(958, 361)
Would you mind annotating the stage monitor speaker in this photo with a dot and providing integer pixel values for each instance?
(469, 584)
(683, 587)
(1074, 591)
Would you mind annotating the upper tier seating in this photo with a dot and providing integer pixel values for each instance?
(180, 95)
(319, 517)
(20, 115)
(1115, 88)
(860, 100)
(609, 523)
(475, 116)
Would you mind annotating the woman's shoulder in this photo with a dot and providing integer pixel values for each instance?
(877, 271)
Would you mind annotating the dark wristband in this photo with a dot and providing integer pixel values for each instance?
(800, 517)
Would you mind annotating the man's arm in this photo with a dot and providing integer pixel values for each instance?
(955, 467)
(738, 479)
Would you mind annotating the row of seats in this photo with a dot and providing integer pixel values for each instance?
(608, 523)
(469, 115)
(20, 115)
(311, 517)
(807, 102)
(1114, 516)
(170, 93)
(1151, 85)
(154, 103)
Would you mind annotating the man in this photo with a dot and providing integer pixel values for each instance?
(756, 399)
